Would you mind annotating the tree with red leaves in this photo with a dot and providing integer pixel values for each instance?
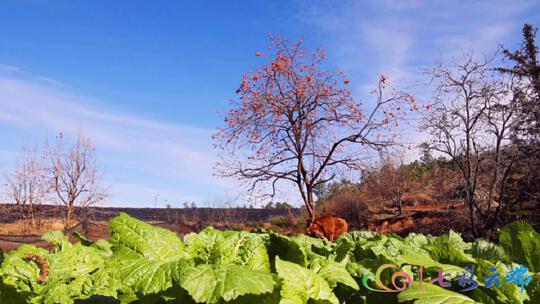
(299, 123)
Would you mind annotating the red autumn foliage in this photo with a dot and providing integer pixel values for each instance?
(296, 122)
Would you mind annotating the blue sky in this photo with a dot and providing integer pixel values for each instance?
(145, 80)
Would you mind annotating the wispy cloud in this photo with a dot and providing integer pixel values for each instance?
(401, 38)
(140, 155)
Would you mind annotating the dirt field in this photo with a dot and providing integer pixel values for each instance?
(429, 219)
(16, 227)
(13, 235)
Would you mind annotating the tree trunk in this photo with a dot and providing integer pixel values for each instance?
(310, 208)
(470, 203)
(68, 217)
(32, 216)
(85, 226)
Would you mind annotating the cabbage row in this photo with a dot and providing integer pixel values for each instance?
(141, 263)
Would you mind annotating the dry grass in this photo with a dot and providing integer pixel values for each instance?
(416, 198)
(27, 227)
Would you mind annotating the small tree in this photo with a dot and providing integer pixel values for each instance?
(345, 200)
(296, 122)
(28, 185)
(76, 180)
(395, 181)
(388, 183)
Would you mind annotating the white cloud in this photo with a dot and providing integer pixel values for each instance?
(401, 38)
(10, 118)
(146, 154)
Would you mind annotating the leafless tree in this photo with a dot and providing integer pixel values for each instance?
(469, 122)
(389, 181)
(28, 185)
(394, 177)
(503, 157)
(76, 180)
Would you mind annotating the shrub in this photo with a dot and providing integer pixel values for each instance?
(347, 205)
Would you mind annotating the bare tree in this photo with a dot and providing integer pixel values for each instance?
(469, 122)
(500, 117)
(388, 182)
(76, 180)
(395, 180)
(296, 122)
(28, 185)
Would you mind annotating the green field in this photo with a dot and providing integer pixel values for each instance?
(146, 264)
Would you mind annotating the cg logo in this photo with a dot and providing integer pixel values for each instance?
(400, 280)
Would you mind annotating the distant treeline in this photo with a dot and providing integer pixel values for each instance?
(10, 213)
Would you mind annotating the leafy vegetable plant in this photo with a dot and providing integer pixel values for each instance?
(141, 263)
